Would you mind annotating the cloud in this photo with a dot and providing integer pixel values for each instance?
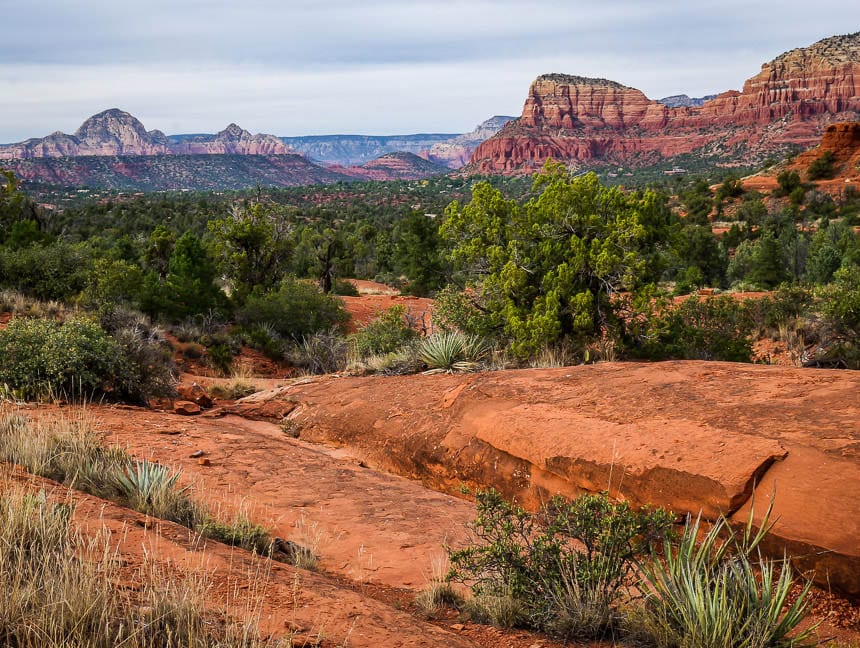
(295, 67)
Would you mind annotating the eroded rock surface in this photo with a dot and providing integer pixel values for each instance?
(690, 436)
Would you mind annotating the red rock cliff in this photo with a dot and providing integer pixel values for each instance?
(582, 120)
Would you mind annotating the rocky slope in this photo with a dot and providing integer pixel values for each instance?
(173, 172)
(684, 101)
(690, 436)
(456, 152)
(355, 150)
(583, 120)
(398, 165)
(115, 132)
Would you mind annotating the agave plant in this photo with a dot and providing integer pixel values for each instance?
(452, 352)
(721, 593)
(146, 484)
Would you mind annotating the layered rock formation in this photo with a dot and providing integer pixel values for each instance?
(693, 437)
(584, 120)
(398, 165)
(455, 153)
(233, 140)
(842, 142)
(684, 101)
(115, 132)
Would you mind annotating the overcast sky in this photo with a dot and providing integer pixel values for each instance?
(297, 67)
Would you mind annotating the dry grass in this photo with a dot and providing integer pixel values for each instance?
(59, 588)
(438, 593)
(68, 449)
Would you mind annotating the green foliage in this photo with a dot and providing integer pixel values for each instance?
(56, 271)
(15, 207)
(840, 303)
(822, 167)
(564, 571)
(698, 203)
(77, 357)
(699, 249)
(730, 188)
(714, 328)
(788, 182)
(43, 358)
(768, 264)
(452, 352)
(219, 357)
(719, 592)
(111, 282)
(253, 246)
(153, 489)
(188, 288)
(296, 310)
(417, 253)
(546, 270)
(344, 288)
(386, 333)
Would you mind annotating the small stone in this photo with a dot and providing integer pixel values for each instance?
(457, 627)
(196, 394)
(216, 412)
(197, 455)
(186, 408)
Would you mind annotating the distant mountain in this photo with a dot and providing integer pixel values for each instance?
(456, 151)
(174, 172)
(398, 165)
(591, 122)
(115, 132)
(450, 150)
(683, 101)
(354, 150)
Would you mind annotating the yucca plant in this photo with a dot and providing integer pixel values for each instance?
(152, 488)
(452, 352)
(719, 592)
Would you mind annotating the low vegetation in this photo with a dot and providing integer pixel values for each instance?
(595, 569)
(61, 588)
(72, 452)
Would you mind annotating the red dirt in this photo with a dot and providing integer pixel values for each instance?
(690, 436)
(366, 308)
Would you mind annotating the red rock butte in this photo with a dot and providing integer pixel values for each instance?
(584, 120)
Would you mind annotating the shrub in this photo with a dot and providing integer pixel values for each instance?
(77, 357)
(344, 288)
(718, 592)
(788, 182)
(153, 489)
(266, 340)
(387, 333)
(296, 310)
(220, 357)
(715, 328)
(821, 167)
(321, 353)
(57, 271)
(452, 351)
(563, 571)
(44, 358)
(148, 369)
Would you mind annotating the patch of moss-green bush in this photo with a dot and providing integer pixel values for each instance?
(387, 333)
(77, 357)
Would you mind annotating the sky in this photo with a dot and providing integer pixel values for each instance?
(302, 67)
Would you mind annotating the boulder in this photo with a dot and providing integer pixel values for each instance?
(186, 408)
(196, 394)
